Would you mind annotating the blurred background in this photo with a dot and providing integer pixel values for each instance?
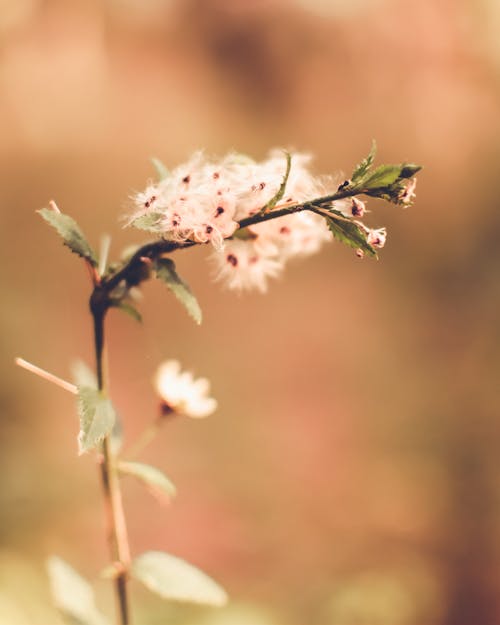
(351, 473)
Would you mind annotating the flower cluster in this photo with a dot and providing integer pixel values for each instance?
(205, 200)
(180, 393)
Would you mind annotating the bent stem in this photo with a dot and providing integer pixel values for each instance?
(116, 528)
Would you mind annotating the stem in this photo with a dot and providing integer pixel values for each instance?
(163, 246)
(116, 528)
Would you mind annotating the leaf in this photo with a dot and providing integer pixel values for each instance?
(349, 232)
(161, 171)
(151, 476)
(173, 578)
(72, 594)
(281, 191)
(128, 309)
(165, 271)
(408, 170)
(362, 168)
(97, 418)
(83, 374)
(70, 231)
(382, 176)
(151, 222)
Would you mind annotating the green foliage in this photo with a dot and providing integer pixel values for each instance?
(281, 191)
(129, 310)
(175, 579)
(362, 168)
(97, 417)
(70, 231)
(349, 232)
(151, 222)
(72, 594)
(161, 171)
(151, 476)
(382, 176)
(165, 271)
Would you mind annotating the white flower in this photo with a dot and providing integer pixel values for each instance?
(242, 266)
(181, 393)
(376, 237)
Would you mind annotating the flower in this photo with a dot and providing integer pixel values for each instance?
(242, 266)
(407, 193)
(182, 394)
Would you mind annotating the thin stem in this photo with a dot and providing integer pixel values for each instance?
(45, 375)
(115, 516)
(153, 250)
(145, 437)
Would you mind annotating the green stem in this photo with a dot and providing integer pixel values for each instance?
(116, 527)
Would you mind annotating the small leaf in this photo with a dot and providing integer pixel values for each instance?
(408, 170)
(97, 418)
(128, 309)
(70, 231)
(175, 579)
(151, 476)
(349, 232)
(161, 170)
(72, 594)
(281, 191)
(362, 168)
(165, 271)
(382, 176)
(151, 222)
(83, 375)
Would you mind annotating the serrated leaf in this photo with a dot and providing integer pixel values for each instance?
(161, 170)
(70, 231)
(362, 168)
(281, 191)
(97, 418)
(382, 176)
(129, 310)
(151, 222)
(349, 233)
(165, 271)
(175, 579)
(72, 594)
(151, 476)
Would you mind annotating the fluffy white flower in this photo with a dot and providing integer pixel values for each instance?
(241, 266)
(181, 393)
(203, 200)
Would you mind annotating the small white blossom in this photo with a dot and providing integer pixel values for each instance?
(181, 393)
(376, 237)
(408, 193)
(243, 267)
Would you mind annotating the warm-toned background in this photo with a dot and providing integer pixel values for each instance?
(351, 474)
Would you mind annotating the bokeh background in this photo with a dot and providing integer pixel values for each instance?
(351, 474)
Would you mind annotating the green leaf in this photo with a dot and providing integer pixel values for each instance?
(382, 176)
(408, 170)
(281, 191)
(362, 168)
(175, 579)
(349, 232)
(128, 309)
(69, 230)
(151, 222)
(97, 417)
(161, 171)
(151, 476)
(72, 594)
(165, 271)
